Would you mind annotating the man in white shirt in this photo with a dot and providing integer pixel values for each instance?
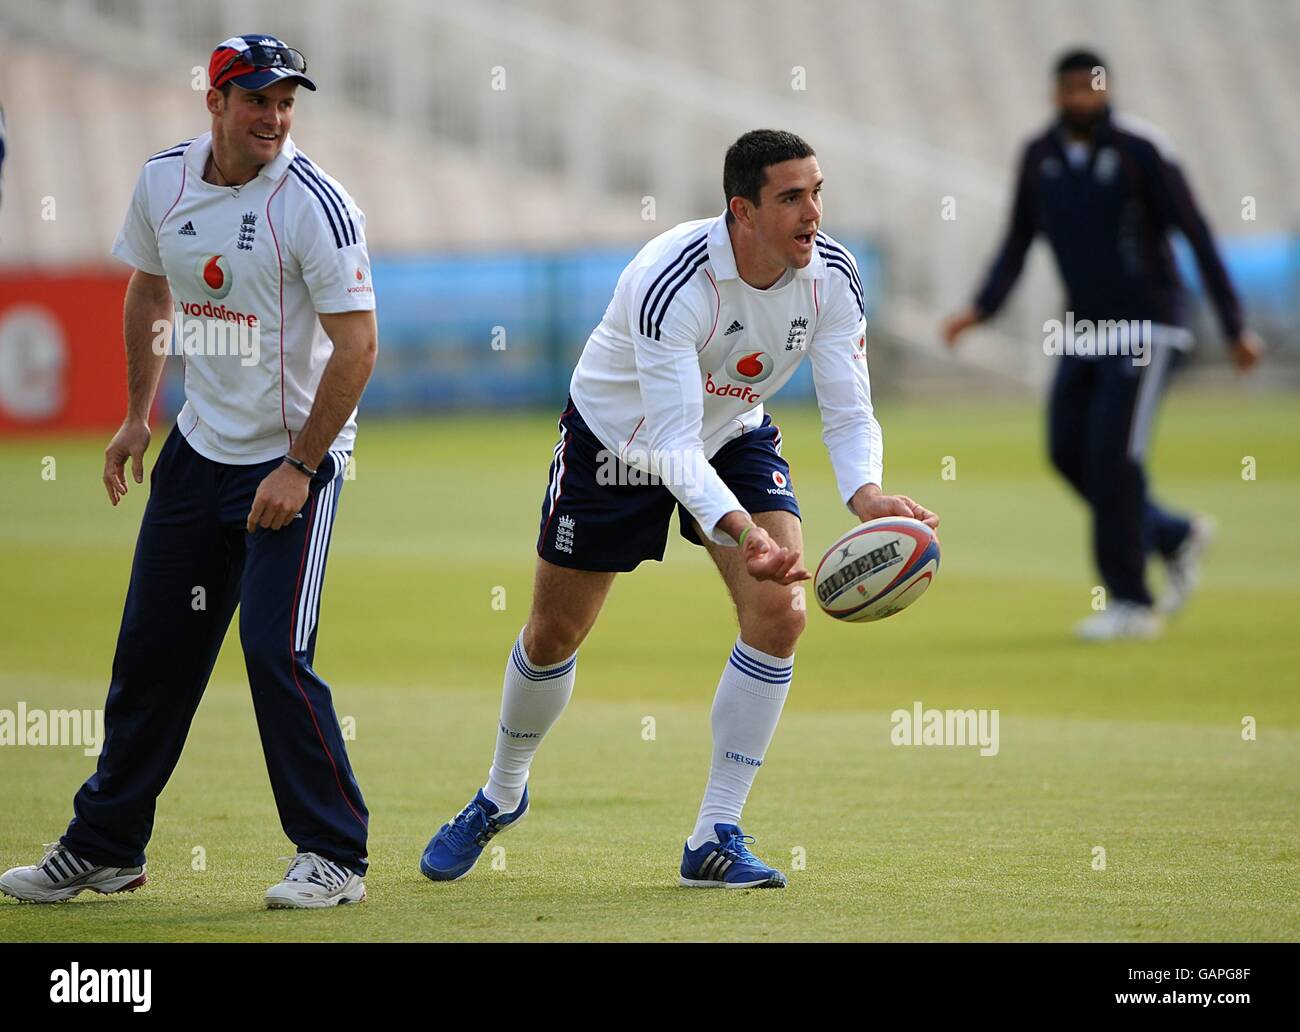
(666, 413)
(251, 263)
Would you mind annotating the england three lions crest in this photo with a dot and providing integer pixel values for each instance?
(797, 338)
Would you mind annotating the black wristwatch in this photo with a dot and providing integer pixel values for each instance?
(300, 466)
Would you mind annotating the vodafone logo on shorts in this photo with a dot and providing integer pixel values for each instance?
(214, 275)
(750, 366)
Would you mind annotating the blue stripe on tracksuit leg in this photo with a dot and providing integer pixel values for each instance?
(192, 536)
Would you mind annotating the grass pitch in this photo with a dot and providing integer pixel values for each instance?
(1134, 748)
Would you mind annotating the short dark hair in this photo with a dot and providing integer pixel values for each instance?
(1078, 59)
(745, 170)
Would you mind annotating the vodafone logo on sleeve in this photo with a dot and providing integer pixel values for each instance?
(214, 275)
(362, 286)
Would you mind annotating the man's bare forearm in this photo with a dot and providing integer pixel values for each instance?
(146, 328)
(356, 345)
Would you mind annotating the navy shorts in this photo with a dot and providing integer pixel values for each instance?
(589, 523)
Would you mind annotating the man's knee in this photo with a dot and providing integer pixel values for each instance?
(553, 637)
(775, 624)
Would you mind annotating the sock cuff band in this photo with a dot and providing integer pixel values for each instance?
(771, 666)
(761, 681)
(539, 673)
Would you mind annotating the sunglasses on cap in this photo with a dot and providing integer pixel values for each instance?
(260, 56)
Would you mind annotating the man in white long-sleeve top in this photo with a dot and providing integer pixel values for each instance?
(666, 412)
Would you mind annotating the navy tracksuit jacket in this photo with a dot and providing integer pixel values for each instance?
(1108, 221)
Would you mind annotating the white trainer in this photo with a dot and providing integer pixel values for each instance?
(313, 881)
(1183, 568)
(1121, 619)
(61, 874)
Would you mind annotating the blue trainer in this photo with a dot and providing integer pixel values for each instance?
(455, 849)
(728, 864)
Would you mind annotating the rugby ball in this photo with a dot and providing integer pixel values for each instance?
(876, 569)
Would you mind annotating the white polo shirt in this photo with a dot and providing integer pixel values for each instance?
(265, 256)
(687, 353)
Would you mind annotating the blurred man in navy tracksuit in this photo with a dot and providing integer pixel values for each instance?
(1106, 191)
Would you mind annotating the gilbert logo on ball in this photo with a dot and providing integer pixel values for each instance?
(877, 569)
(750, 366)
(214, 274)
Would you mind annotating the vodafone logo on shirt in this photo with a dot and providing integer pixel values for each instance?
(729, 390)
(750, 366)
(214, 274)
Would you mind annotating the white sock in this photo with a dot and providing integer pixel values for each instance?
(746, 708)
(532, 699)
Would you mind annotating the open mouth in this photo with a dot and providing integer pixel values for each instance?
(805, 239)
(268, 137)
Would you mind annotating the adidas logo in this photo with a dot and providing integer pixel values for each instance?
(188, 230)
(735, 327)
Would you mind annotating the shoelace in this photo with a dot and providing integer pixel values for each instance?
(738, 847)
(309, 867)
(67, 860)
(471, 827)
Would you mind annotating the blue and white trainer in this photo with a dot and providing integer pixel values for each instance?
(454, 850)
(61, 874)
(312, 881)
(727, 864)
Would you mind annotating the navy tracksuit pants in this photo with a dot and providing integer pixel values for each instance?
(193, 537)
(1100, 418)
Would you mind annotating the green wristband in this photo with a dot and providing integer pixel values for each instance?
(740, 541)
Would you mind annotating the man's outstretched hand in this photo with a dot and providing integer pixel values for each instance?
(869, 504)
(767, 561)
